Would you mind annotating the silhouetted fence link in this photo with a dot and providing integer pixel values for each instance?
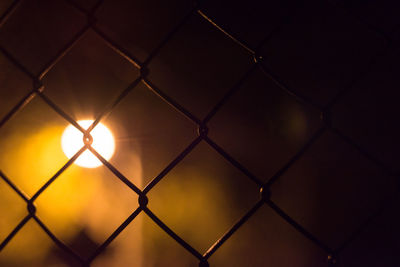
(264, 186)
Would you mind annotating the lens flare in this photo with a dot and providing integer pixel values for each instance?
(103, 143)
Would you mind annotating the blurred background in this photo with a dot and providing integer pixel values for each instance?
(300, 98)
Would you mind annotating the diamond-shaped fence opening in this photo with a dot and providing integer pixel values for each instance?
(259, 133)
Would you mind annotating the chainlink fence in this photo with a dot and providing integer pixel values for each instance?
(38, 91)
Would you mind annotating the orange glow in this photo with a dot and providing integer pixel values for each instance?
(103, 143)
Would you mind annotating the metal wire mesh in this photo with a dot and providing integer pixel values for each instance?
(38, 91)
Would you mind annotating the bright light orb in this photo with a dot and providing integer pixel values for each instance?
(103, 143)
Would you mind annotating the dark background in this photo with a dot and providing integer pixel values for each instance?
(326, 71)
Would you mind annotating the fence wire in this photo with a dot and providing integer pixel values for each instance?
(38, 90)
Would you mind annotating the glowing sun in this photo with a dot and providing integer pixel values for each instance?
(103, 143)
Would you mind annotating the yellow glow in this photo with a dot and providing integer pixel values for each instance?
(103, 143)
